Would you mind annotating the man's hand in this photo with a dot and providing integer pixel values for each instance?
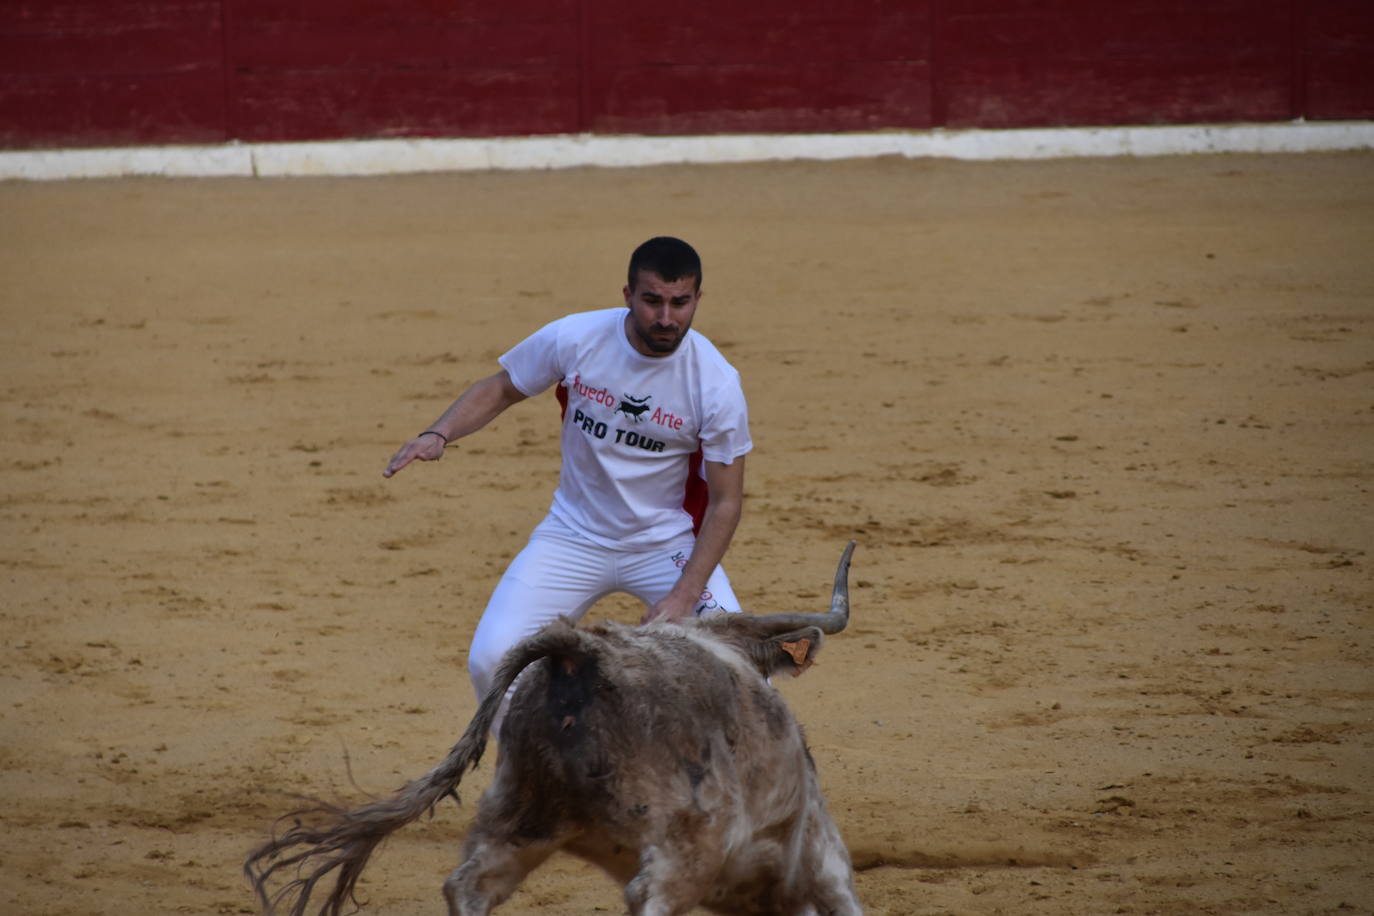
(475, 408)
(678, 604)
(426, 447)
(726, 485)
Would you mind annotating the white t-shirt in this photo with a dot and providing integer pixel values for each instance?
(631, 423)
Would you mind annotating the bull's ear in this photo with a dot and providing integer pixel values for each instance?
(793, 652)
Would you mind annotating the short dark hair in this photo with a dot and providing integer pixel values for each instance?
(670, 258)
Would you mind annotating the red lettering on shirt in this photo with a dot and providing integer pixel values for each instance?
(665, 419)
(599, 395)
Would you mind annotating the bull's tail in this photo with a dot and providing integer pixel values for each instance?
(345, 840)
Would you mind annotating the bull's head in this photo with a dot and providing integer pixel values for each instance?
(788, 642)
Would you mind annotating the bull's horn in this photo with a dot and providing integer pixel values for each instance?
(832, 621)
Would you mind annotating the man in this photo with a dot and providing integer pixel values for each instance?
(651, 411)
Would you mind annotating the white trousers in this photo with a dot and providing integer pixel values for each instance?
(561, 573)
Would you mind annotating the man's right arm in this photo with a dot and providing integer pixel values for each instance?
(475, 408)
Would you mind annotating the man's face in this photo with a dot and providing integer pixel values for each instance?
(660, 312)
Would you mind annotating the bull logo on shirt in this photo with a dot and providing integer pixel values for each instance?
(634, 407)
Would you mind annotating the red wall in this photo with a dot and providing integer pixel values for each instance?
(84, 72)
(113, 72)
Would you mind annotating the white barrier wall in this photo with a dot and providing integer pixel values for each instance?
(379, 157)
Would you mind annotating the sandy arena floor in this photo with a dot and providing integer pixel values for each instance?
(1104, 431)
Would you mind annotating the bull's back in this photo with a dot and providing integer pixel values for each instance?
(622, 693)
(644, 729)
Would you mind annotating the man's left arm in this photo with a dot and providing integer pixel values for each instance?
(725, 484)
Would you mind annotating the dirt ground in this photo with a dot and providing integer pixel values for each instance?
(1103, 429)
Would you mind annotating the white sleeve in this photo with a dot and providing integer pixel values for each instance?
(533, 363)
(725, 432)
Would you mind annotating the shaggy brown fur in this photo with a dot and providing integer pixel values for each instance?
(660, 753)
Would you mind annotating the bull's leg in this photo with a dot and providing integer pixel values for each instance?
(833, 884)
(491, 872)
(670, 880)
(836, 898)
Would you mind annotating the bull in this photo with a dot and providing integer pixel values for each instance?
(633, 407)
(660, 753)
